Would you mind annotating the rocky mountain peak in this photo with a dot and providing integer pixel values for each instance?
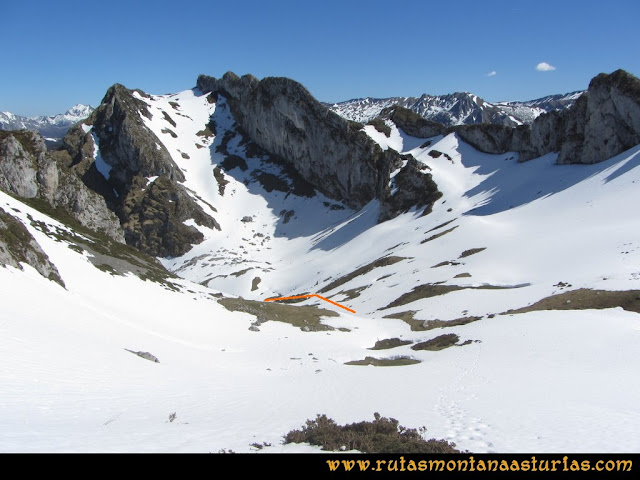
(125, 143)
(151, 212)
(619, 79)
(329, 152)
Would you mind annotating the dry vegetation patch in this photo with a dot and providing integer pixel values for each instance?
(384, 362)
(438, 235)
(438, 343)
(383, 435)
(306, 318)
(429, 290)
(471, 251)
(424, 325)
(389, 343)
(585, 299)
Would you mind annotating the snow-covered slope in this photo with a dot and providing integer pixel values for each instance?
(457, 108)
(504, 236)
(53, 127)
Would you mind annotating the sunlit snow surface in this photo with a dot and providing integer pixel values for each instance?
(543, 381)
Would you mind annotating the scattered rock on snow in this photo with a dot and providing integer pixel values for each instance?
(145, 355)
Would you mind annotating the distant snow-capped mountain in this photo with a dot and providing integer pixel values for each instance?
(457, 108)
(49, 127)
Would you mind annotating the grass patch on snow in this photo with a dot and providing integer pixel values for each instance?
(471, 251)
(104, 253)
(438, 235)
(351, 293)
(170, 132)
(424, 325)
(586, 299)
(429, 290)
(438, 343)
(384, 362)
(169, 119)
(307, 318)
(389, 343)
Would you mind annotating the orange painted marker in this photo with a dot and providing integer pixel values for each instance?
(307, 296)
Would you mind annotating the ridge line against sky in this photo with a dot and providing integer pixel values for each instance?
(62, 53)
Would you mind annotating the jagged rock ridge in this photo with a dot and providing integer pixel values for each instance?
(329, 152)
(281, 117)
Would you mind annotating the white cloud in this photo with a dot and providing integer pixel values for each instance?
(545, 67)
(492, 73)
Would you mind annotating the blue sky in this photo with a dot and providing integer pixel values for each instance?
(58, 53)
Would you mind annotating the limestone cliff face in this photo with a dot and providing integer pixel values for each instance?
(602, 123)
(608, 121)
(329, 152)
(18, 165)
(27, 170)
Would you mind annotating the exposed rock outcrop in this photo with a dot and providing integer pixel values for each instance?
(412, 123)
(153, 216)
(147, 356)
(18, 165)
(329, 152)
(27, 170)
(602, 123)
(412, 187)
(126, 143)
(605, 122)
(18, 246)
(491, 138)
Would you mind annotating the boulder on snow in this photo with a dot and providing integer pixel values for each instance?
(145, 355)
